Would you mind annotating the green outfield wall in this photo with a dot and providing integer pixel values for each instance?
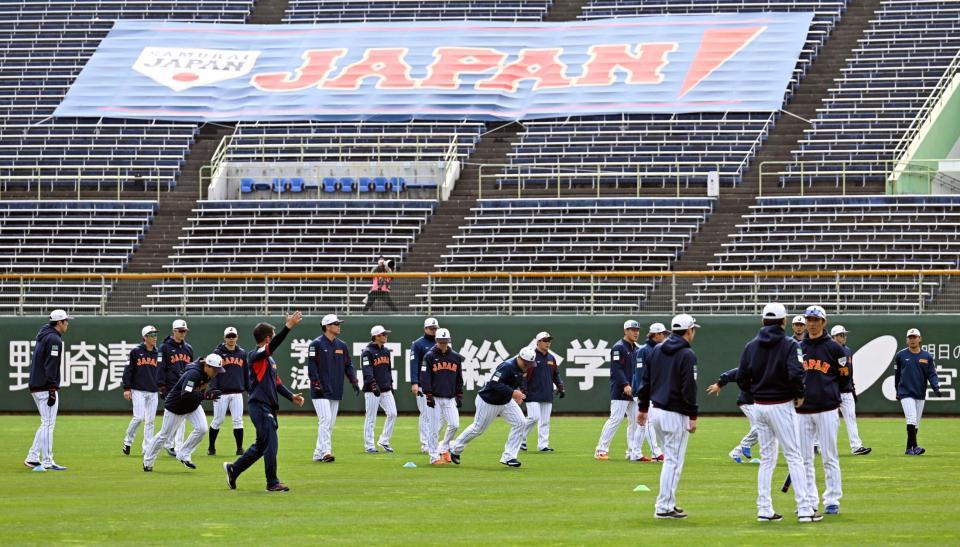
(96, 350)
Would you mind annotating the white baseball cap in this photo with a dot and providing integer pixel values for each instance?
(527, 354)
(774, 310)
(913, 332)
(431, 322)
(443, 334)
(815, 311)
(230, 330)
(378, 330)
(657, 328)
(683, 322)
(838, 329)
(543, 335)
(213, 361)
(630, 324)
(147, 330)
(330, 319)
(180, 324)
(60, 315)
(799, 320)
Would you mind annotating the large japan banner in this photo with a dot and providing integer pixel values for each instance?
(440, 70)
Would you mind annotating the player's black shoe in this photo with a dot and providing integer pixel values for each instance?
(211, 452)
(148, 468)
(672, 514)
(511, 463)
(862, 451)
(126, 450)
(279, 487)
(231, 478)
(454, 458)
(776, 517)
(30, 465)
(188, 464)
(239, 452)
(546, 449)
(523, 447)
(171, 452)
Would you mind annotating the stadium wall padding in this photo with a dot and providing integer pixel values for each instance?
(97, 349)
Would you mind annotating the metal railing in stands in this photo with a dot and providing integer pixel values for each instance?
(925, 169)
(496, 293)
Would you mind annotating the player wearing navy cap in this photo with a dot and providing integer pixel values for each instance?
(500, 396)
(441, 378)
(656, 333)
(913, 368)
(827, 374)
(175, 354)
(771, 371)
(140, 387)
(623, 361)
(376, 366)
(327, 365)
(183, 403)
(264, 386)
(44, 384)
(848, 397)
(418, 349)
(539, 381)
(232, 383)
(669, 384)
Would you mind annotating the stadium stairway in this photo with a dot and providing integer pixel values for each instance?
(783, 138)
(268, 12)
(565, 10)
(175, 207)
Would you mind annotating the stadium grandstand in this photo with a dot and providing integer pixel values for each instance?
(847, 194)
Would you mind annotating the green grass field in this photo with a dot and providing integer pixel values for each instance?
(563, 497)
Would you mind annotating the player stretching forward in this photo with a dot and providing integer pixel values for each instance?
(669, 383)
(848, 397)
(539, 381)
(183, 403)
(501, 396)
(913, 368)
(375, 361)
(140, 387)
(827, 374)
(657, 333)
(623, 360)
(232, 383)
(418, 349)
(441, 378)
(264, 387)
(741, 452)
(771, 370)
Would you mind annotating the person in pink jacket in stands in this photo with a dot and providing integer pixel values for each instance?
(381, 286)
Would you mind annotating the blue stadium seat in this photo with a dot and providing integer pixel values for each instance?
(296, 184)
(279, 185)
(380, 184)
(365, 184)
(330, 184)
(246, 185)
(346, 184)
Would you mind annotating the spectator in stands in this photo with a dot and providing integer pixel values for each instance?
(381, 286)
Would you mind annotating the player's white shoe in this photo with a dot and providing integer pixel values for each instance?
(737, 455)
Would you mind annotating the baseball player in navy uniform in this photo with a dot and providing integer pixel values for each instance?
(418, 349)
(441, 378)
(669, 384)
(232, 383)
(657, 333)
(913, 367)
(848, 397)
(771, 371)
(539, 382)
(175, 354)
(743, 451)
(264, 385)
(328, 364)
(44, 383)
(827, 374)
(140, 388)
(623, 361)
(376, 367)
(183, 403)
(500, 396)
(799, 326)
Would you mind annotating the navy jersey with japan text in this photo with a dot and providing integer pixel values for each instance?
(173, 360)
(375, 364)
(826, 374)
(141, 370)
(236, 372)
(441, 373)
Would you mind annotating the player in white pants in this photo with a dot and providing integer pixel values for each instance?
(668, 392)
(376, 362)
(913, 369)
(327, 365)
(848, 398)
(539, 383)
(657, 333)
(501, 396)
(418, 349)
(44, 384)
(140, 388)
(326, 410)
(372, 402)
(623, 361)
(441, 378)
(183, 404)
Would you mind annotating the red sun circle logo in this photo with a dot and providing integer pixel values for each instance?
(185, 77)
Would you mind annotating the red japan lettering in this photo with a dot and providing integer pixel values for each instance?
(388, 65)
(643, 65)
(317, 65)
(450, 63)
(543, 66)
